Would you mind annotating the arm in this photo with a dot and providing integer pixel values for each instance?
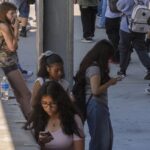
(79, 145)
(11, 40)
(79, 142)
(125, 6)
(97, 88)
(35, 90)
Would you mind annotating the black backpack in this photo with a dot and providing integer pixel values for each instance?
(113, 6)
(78, 92)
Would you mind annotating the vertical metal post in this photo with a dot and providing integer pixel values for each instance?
(39, 33)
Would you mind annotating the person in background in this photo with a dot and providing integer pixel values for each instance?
(112, 26)
(130, 40)
(55, 121)
(93, 75)
(88, 17)
(50, 68)
(101, 22)
(9, 31)
(24, 10)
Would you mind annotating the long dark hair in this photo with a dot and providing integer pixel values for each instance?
(39, 118)
(4, 8)
(99, 55)
(46, 61)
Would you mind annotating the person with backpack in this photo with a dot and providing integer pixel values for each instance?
(50, 68)
(93, 77)
(54, 121)
(129, 38)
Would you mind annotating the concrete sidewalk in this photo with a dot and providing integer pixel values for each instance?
(129, 105)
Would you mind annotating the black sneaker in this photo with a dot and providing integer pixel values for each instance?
(23, 33)
(147, 77)
(121, 73)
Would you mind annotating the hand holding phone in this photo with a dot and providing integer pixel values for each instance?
(45, 137)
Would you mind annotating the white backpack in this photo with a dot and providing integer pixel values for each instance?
(140, 18)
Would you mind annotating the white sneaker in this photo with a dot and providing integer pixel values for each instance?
(87, 40)
(27, 74)
(147, 91)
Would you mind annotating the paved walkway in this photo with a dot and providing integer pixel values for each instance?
(129, 105)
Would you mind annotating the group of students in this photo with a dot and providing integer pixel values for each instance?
(54, 118)
(117, 30)
(50, 110)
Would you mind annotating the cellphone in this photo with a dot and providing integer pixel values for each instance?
(46, 133)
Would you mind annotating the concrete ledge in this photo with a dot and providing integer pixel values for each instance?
(12, 134)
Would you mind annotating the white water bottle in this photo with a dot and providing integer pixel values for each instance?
(4, 89)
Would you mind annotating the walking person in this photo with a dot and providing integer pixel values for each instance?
(112, 26)
(93, 75)
(129, 40)
(56, 123)
(8, 55)
(88, 18)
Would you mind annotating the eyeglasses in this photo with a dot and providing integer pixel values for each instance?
(51, 105)
(47, 53)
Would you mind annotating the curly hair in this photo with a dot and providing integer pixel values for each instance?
(39, 118)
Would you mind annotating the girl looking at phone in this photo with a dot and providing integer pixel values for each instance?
(55, 114)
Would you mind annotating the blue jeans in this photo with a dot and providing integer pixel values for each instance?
(99, 8)
(102, 19)
(24, 9)
(99, 124)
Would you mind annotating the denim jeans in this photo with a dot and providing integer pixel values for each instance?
(136, 41)
(103, 7)
(99, 9)
(99, 124)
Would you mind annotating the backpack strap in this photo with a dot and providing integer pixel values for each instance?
(89, 99)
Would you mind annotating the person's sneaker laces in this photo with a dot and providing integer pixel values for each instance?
(87, 40)
(147, 91)
(147, 77)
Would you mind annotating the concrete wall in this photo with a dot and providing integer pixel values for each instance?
(58, 30)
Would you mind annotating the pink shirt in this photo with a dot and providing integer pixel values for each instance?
(62, 141)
